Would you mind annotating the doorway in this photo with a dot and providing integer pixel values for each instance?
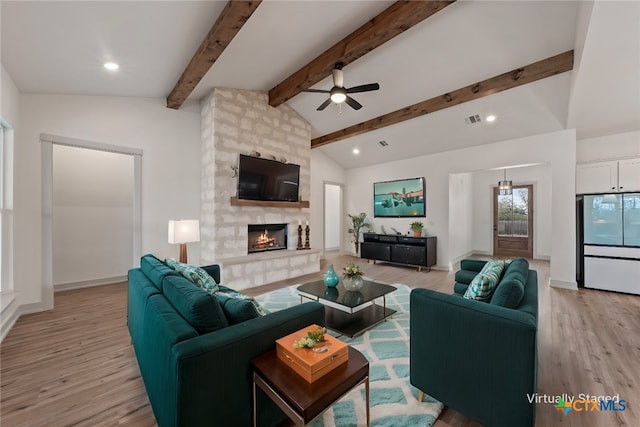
(332, 216)
(513, 222)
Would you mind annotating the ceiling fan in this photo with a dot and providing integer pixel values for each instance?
(339, 93)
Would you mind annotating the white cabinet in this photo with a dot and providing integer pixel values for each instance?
(599, 177)
(608, 177)
(629, 175)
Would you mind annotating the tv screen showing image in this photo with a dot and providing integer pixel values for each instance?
(399, 198)
(270, 180)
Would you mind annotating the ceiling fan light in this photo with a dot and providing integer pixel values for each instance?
(338, 97)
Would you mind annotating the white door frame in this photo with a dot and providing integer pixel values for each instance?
(47, 142)
(340, 211)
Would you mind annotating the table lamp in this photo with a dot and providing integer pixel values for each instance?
(184, 231)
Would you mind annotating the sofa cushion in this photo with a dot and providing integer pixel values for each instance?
(236, 310)
(508, 294)
(195, 274)
(465, 276)
(155, 270)
(482, 286)
(510, 291)
(198, 307)
(230, 293)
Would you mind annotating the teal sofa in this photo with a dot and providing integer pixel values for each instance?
(479, 358)
(195, 365)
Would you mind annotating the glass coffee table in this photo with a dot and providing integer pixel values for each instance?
(350, 312)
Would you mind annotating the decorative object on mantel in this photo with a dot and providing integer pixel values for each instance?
(505, 187)
(306, 237)
(184, 231)
(358, 222)
(330, 278)
(299, 247)
(416, 227)
(352, 277)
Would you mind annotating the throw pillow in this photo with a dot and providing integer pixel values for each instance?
(482, 286)
(195, 274)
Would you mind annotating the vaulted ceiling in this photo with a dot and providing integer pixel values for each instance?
(59, 47)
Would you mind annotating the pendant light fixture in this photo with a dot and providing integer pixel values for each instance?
(505, 187)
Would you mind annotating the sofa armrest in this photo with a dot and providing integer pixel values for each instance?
(214, 371)
(213, 270)
(477, 358)
(472, 264)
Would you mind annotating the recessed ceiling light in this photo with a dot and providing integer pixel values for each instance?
(111, 66)
(356, 151)
(491, 118)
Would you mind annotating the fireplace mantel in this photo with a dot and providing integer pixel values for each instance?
(268, 204)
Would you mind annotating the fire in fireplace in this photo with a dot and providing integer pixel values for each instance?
(266, 237)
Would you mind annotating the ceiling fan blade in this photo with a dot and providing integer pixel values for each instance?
(324, 105)
(316, 90)
(364, 88)
(353, 103)
(338, 78)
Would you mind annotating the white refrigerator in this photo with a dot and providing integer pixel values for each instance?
(610, 242)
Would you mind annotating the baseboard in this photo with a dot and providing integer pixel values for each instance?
(542, 257)
(441, 268)
(88, 283)
(10, 315)
(572, 286)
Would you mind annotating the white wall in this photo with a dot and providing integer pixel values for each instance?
(462, 211)
(482, 229)
(92, 215)
(332, 216)
(323, 169)
(608, 147)
(557, 149)
(170, 141)
(9, 98)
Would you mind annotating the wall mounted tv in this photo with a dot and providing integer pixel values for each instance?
(264, 179)
(401, 198)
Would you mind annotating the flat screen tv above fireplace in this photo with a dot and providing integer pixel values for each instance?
(264, 179)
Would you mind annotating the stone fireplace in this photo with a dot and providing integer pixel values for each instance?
(235, 122)
(266, 237)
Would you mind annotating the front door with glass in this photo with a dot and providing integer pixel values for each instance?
(513, 222)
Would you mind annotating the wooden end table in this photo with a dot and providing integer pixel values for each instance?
(303, 401)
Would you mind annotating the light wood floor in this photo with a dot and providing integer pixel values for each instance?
(74, 365)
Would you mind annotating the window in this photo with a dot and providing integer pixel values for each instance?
(6, 206)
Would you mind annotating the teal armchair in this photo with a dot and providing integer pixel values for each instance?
(478, 358)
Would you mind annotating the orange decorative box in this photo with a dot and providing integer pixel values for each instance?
(307, 363)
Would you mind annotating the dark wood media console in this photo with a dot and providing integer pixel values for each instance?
(415, 251)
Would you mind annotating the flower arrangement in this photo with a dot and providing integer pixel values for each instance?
(311, 339)
(352, 270)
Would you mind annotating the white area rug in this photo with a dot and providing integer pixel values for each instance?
(393, 400)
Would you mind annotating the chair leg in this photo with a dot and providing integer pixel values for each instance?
(420, 395)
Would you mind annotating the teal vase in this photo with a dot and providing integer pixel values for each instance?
(331, 279)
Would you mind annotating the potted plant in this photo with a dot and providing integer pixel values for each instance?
(417, 227)
(358, 222)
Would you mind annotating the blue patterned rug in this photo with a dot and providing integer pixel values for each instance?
(393, 400)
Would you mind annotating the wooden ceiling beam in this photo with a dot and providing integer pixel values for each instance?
(394, 20)
(514, 78)
(235, 14)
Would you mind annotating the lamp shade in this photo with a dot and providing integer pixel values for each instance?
(184, 231)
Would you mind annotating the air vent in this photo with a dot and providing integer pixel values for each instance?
(383, 143)
(471, 120)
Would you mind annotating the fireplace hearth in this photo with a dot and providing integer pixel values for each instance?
(266, 237)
